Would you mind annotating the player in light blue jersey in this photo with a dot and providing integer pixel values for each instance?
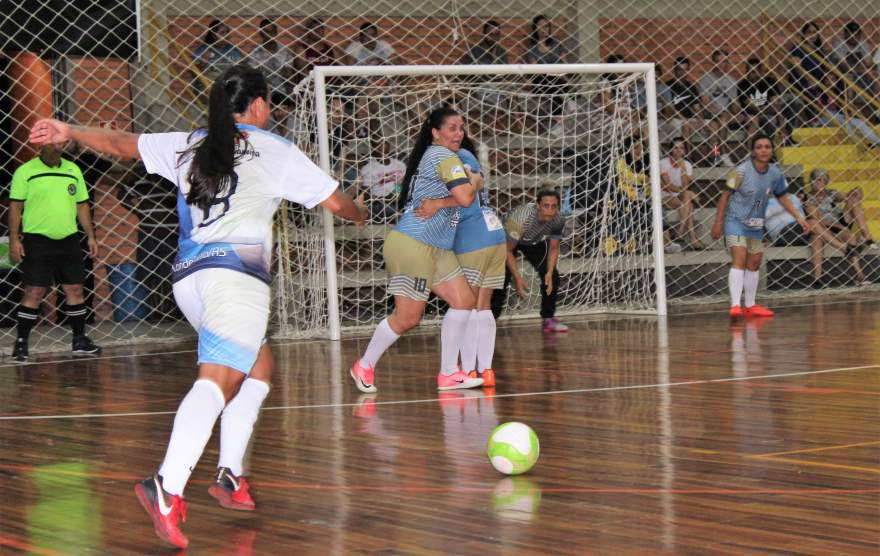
(231, 177)
(480, 247)
(740, 214)
(418, 252)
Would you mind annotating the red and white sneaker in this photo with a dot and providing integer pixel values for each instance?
(554, 325)
(363, 377)
(736, 312)
(166, 510)
(232, 492)
(757, 311)
(488, 377)
(457, 381)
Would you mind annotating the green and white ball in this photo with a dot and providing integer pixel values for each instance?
(513, 448)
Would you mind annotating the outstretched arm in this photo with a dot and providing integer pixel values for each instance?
(106, 141)
(344, 207)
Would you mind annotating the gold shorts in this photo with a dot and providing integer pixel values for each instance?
(484, 268)
(414, 267)
(752, 245)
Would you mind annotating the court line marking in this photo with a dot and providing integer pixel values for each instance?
(820, 449)
(798, 461)
(476, 396)
(513, 323)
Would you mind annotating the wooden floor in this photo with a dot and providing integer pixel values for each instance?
(685, 436)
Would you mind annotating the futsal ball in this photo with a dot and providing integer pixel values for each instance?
(513, 448)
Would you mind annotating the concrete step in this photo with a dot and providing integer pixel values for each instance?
(819, 155)
(846, 171)
(870, 188)
(817, 136)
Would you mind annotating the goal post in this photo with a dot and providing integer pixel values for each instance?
(354, 85)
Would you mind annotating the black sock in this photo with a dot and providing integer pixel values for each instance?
(77, 316)
(27, 318)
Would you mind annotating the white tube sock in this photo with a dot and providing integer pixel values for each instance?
(750, 284)
(382, 339)
(237, 424)
(192, 428)
(451, 332)
(735, 283)
(470, 343)
(486, 347)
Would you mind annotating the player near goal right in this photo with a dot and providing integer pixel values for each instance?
(741, 208)
(535, 229)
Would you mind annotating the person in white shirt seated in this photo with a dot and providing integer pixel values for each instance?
(368, 49)
(784, 231)
(381, 176)
(676, 176)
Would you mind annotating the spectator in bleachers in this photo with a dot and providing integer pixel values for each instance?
(850, 49)
(687, 104)
(631, 225)
(381, 176)
(832, 114)
(676, 177)
(824, 204)
(544, 48)
(784, 231)
(282, 115)
(313, 50)
(805, 63)
(758, 94)
(368, 49)
(489, 49)
(274, 59)
(215, 55)
(718, 88)
(877, 62)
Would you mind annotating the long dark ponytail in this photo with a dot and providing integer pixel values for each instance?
(434, 121)
(214, 157)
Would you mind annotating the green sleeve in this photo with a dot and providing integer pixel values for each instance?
(19, 189)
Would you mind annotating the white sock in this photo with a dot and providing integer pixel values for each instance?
(750, 284)
(237, 424)
(382, 339)
(451, 332)
(192, 428)
(486, 348)
(735, 282)
(469, 343)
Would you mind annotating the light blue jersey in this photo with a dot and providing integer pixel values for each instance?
(479, 226)
(748, 203)
(236, 231)
(440, 171)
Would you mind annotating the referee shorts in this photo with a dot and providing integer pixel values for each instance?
(48, 261)
(414, 267)
(230, 311)
(484, 268)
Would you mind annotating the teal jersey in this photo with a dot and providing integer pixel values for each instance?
(748, 202)
(479, 226)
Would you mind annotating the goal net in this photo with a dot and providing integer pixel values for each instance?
(581, 130)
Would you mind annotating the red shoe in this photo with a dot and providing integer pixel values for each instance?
(488, 377)
(166, 510)
(232, 492)
(363, 377)
(757, 311)
(736, 312)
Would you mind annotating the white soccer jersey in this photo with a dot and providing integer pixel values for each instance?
(236, 232)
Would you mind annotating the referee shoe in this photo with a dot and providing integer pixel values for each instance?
(82, 345)
(20, 350)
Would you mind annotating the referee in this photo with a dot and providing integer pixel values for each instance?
(535, 230)
(47, 197)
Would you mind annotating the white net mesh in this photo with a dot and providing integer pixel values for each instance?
(143, 67)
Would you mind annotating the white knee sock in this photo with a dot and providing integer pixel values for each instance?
(486, 348)
(237, 424)
(451, 332)
(735, 282)
(750, 284)
(382, 339)
(470, 343)
(192, 428)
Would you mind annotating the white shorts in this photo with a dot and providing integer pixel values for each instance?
(230, 311)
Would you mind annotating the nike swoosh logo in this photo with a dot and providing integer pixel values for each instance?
(164, 508)
(459, 380)
(233, 481)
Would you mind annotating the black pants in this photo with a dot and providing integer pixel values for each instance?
(537, 257)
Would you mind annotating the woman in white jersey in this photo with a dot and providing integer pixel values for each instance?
(231, 177)
(418, 252)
